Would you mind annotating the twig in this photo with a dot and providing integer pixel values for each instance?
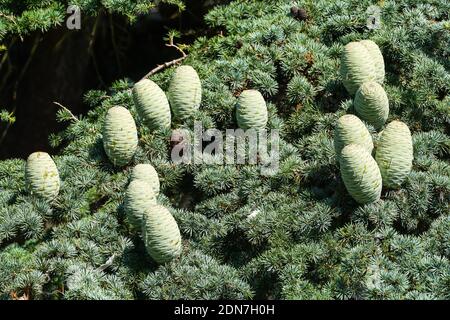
(107, 264)
(14, 296)
(171, 44)
(67, 110)
(11, 18)
(163, 66)
(170, 63)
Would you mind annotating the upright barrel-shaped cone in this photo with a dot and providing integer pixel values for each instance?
(161, 234)
(146, 172)
(372, 104)
(139, 198)
(377, 58)
(120, 139)
(41, 176)
(357, 66)
(351, 130)
(394, 154)
(152, 104)
(185, 92)
(251, 110)
(360, 174)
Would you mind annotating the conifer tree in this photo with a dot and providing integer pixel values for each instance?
(23, 17)
(296, 234)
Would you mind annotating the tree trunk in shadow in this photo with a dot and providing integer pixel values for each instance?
(68, 63)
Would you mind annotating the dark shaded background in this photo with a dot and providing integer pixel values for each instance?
(66, 64)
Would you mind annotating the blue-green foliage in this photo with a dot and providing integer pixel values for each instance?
(294, 235)
(20, 18)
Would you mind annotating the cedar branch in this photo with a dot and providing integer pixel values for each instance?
(169, 63)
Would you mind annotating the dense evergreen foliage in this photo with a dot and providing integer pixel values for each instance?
(19, 18)
(26, 27)
(295, 235)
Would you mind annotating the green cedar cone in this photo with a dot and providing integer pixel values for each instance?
(372, 104)
(357, 66)
(146, 172)
(350, 129)
(360, 173)
(41, 176)
(120, 137)
(377, 58)
(151, 104)
(394, 154)
(185, 92)
(139, 197)
(251, 110)
(161, 234)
